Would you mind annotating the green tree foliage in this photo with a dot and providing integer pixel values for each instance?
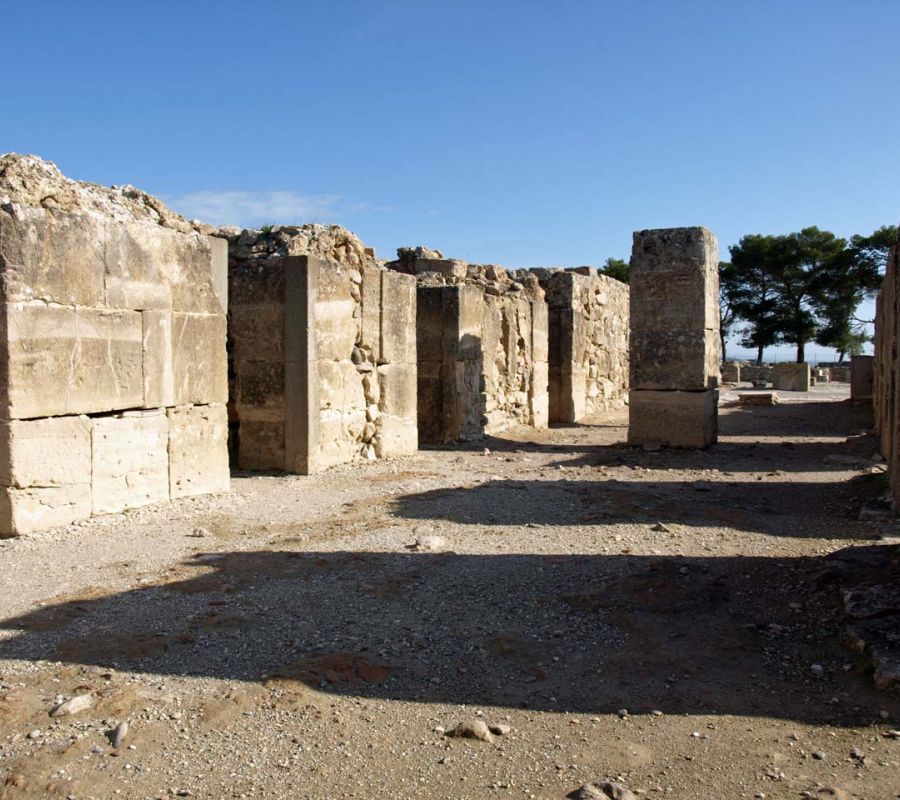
(752, 292)
(616, 268)
(805, 286)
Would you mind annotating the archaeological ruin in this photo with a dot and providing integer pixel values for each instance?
(675, 346)
(140, 348)
(112, 350)
(588, 342)
(482, 343)
(323, 350)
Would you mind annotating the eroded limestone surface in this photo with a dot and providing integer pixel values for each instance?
(112, 308)
(323, 350)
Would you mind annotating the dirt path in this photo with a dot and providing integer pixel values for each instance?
(648, 616)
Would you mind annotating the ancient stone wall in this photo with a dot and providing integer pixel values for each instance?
(588, 343)
(323, 350)
(482, 340)
(675, 344)
(885, 384)
(112, 350)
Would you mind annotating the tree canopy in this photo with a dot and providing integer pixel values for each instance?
(802, 287)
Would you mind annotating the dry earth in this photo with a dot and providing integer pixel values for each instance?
(652, 617)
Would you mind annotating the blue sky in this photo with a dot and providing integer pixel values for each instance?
(521, 133)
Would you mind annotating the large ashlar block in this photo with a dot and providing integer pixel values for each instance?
(130, 455)
(673, 419)
(199, 361)
(674, 280)
(259, 389)
(198, 450)
(261, 444)
(142, 254)
(686, 360)
(398, 318)
(156, 353)
(45, 472)
(336, 327)
(791, 377)
(256, 332)
(862, 374)
(52, 256)
(61, 360)
(539, 396)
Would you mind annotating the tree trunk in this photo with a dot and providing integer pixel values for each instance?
(840, 357)
(722, 338)
(801, 352)
(759, 355)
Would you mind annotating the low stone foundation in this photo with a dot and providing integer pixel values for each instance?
(789, 377)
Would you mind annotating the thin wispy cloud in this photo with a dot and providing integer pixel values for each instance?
(252, 209)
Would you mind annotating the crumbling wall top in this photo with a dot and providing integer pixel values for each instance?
(28, 180)
(330, 242)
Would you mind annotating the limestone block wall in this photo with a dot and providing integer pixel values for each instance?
(112, 350)
(323, 351)
(675, 344)
(482, 339)
(588, 326)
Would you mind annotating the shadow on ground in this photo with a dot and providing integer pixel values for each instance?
(579, 633)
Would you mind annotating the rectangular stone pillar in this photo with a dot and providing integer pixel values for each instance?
(862, 373)
(675, 349)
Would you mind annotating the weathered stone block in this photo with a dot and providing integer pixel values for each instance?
(52, 256)
(674, 280)
(61, 360)
(396, 436)
(444, 266)
(371, 310)
(398, 390)
(259, 386)
(731, 372)
(261, 444)
(55, 451)
(686, 360)
(198, 450)
(791, 377)
(862, 373)
(130, 461)
(256, 332)
(141, 254)
(337, 320)
(674, 419)
(159, 377)
(539, 398)
(41, 507)
(199, 362)
(398, 318)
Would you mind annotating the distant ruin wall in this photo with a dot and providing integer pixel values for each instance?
(112, 350)
(323, 351)
(588, 326)
(482, 341)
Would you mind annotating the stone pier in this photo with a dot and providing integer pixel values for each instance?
(482, 343)
(112, 350)
(674, 346)
(588, 328)
(323, 351)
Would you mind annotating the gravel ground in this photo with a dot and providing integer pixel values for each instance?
(657, 618)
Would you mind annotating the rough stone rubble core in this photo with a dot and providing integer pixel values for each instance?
(675, 350)
(112, 350)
